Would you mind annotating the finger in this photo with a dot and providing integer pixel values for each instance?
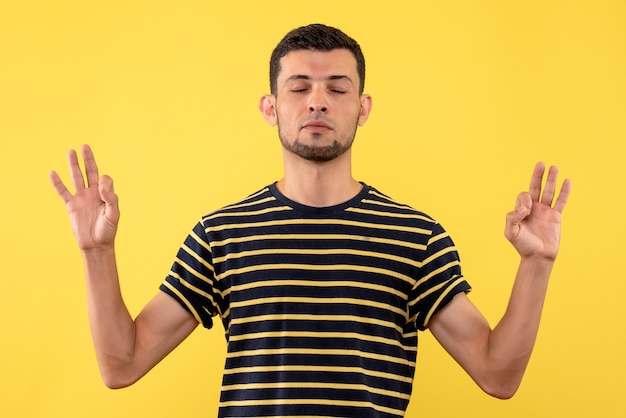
(60, 188)
(561, 201)
(525, 200)
(105, 188)
(75, 172)
(523, 206)
(105, 185)
(536, 181)
(549, 189)
(91, 168)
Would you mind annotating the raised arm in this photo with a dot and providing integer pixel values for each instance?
(126, 349)
(497, 359)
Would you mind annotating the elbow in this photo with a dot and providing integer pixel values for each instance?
(115, 384)
(119, 373)
(500, 388)
(501, 382)
(501, 393)
(117, 380)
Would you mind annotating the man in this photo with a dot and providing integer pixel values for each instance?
(321, 282)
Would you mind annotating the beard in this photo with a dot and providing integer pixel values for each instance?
(318, 153)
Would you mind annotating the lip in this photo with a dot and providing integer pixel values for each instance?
(317, 126)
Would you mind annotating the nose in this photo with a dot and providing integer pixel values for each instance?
(318, 108)
(318, 102)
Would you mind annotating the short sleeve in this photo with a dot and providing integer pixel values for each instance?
(439, 280)
(191, 280)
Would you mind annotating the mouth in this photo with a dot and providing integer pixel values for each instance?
(317, 126)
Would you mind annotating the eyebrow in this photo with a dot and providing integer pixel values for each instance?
(329, 78)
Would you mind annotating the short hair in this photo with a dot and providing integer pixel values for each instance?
(315, 37)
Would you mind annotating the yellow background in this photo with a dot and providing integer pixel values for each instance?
(467, 96)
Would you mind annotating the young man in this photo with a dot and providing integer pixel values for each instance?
(321, 282)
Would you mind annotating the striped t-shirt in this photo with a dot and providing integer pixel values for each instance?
(320, 306)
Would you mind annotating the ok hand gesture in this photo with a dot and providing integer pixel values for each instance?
(93, 209)
(534, 227)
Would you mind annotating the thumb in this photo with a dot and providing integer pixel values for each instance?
(105, 186)
(105, 189)
(523, 206)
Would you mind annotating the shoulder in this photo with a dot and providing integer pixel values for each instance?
(258, 197)
(259, 202)
(380, 202)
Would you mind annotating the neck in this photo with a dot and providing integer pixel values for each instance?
(318, 184)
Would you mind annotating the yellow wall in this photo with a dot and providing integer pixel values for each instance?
(467, 96)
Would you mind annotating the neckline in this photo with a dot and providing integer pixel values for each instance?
(319, 211)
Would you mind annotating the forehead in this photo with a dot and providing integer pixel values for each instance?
(318, 64)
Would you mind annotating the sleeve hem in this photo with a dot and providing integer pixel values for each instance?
(456, 285)
(202, 316)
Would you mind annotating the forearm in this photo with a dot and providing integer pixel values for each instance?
(112, 327)
(512, 340)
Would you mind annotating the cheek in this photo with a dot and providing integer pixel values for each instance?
(286, 125)
(286, 116)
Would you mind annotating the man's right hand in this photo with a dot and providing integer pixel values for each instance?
(93, 209)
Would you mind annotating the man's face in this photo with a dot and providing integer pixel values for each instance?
(317, 104)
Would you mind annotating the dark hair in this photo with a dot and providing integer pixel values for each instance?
(315, 37)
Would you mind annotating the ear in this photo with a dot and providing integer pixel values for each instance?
(366, 108)
(267, 106)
